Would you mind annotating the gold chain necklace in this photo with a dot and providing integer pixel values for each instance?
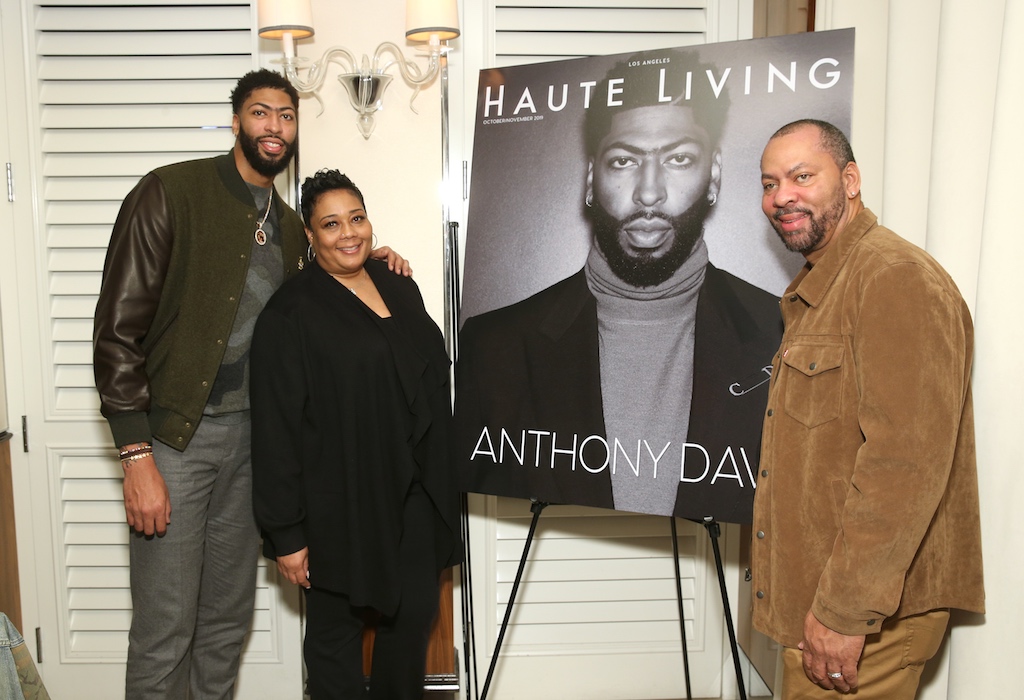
(261, 235)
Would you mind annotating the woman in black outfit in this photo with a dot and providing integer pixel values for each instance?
(351, 472)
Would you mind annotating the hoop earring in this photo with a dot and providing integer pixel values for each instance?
(310, 253)
(589, 201)
(373, 241)
(712, 199)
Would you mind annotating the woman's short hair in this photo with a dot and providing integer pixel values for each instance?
(325, 181)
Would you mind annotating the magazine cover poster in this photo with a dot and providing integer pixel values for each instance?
(621, 284)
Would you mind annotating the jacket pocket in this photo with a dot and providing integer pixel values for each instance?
(155, 335)
(814, 382)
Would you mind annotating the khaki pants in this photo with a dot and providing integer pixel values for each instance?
(890, 667)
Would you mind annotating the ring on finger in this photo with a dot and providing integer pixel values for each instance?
(835, 676)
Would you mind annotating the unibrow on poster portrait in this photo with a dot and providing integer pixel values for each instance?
(620, 297)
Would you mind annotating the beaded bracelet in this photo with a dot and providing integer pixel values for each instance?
(142, 448)
(137, 455)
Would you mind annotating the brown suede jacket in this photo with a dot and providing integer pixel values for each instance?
(173, 276)
(867, 501)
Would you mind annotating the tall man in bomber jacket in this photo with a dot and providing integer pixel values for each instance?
(866, 516)
(197, 249)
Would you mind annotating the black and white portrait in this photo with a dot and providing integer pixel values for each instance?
(620, 303)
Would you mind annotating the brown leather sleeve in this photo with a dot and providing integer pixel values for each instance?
(133, 278)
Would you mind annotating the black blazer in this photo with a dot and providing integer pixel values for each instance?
(535, 365)
(347, 410)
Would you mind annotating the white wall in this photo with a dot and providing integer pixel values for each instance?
(399, 167)
(4, 420)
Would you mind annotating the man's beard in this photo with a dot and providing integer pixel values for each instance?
(641, 268)
(264, 166)
(820, 225)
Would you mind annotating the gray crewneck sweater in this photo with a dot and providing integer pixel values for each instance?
(646, 345)
(230, 393)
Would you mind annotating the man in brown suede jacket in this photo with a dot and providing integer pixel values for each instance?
(866, 518)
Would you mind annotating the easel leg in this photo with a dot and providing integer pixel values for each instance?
(679, 600)
(714, 531)
(468, 621)
(535, 507)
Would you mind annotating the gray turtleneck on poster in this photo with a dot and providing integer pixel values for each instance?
(646, 350)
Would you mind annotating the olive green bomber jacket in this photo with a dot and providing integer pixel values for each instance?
(867, 503)
(173, 276)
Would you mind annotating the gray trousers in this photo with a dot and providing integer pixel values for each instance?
(193, 589)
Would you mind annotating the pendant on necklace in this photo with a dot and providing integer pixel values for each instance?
(261, 235)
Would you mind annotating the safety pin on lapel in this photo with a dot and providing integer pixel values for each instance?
(735, 389)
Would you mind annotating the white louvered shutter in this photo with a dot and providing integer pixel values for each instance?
(120, 90)
(115, 89)
(531, 32)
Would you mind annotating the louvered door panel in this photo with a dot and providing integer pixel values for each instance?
(115, 89)
(104, 121)
(532, 32)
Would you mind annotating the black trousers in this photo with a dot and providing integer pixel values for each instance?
(334, 627)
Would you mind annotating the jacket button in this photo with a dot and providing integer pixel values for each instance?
(764, 473)
(814, 365)
(231, 298)
(760, 594)
(771, 412)
(760, 534)
(188, 425)
(793, 298)
(220, 341)
(206, 383)
(181, 439)
(871, 622)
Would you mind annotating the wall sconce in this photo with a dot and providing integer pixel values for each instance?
(431, 21)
